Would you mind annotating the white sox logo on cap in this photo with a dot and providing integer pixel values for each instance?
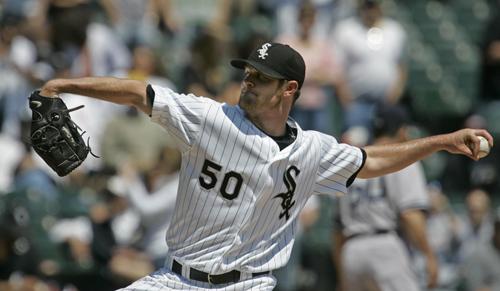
(263, 50)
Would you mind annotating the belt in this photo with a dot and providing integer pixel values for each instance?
(376, 232)
(229, 277)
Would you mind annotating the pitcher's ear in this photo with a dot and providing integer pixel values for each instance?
(291, 87)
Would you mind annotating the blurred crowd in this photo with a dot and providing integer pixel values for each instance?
(103, 226)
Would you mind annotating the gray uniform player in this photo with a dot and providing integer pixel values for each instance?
(247, 170)
(371, 255)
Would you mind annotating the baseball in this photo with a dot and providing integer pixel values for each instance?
(484, 147)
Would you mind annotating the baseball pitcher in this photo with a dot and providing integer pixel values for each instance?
(247, 170)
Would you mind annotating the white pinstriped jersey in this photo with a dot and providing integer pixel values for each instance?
(239, 195)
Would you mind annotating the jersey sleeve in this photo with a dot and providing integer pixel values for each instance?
(339, 164)
(408, 188)
(181, 115)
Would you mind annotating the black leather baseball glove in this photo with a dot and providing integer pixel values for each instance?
(54, 136)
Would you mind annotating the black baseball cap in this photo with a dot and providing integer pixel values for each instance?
(276, 60)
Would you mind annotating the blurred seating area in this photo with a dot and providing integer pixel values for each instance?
(444, 54)
(92, 230)
(447, 71)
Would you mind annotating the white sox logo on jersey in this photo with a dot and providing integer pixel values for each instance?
(287, 197)
(210, 169)
(263, 51)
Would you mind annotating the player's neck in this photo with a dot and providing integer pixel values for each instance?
(271, 120)
(270, 127)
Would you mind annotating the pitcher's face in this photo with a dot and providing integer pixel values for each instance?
(259, 92)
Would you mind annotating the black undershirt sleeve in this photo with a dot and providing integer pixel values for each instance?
(150, 94)
(351, 179)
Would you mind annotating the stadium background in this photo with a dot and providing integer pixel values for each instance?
(186, 43)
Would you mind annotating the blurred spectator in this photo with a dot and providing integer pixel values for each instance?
(329, 13)
(443, 236)
(77, 234)
(481, 268)
(312, 110)
(68, 22)
(115, 227)
(29, 176)
(123, 135)
(206, 74)
(144, 22)
(23, 8)
(12, 150)
(102, 54)
(371, 48)
(27, 283)
(123, 141)
(8, 235)
(243, 18)
(153, 195)
(17, 57)
(490, 74)
(476, 228)
(91, 48)
(242, 22)
(145, 67)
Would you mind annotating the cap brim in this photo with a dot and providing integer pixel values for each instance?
(241, 63)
